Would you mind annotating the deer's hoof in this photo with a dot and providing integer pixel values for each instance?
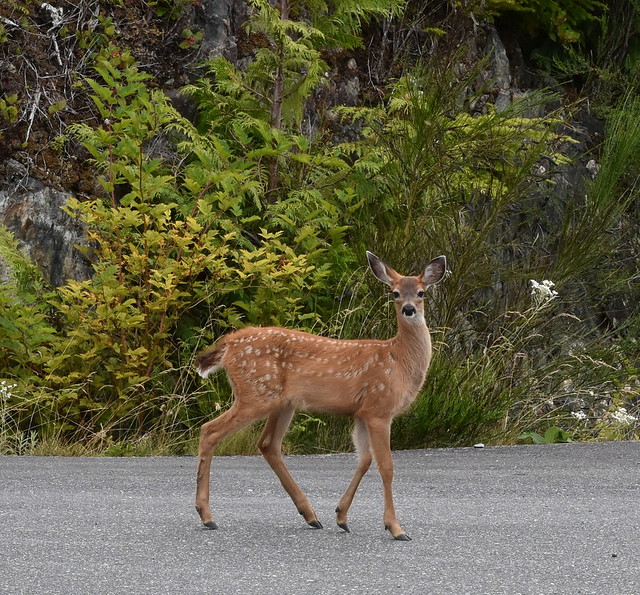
(210, 525)
(344, 527)
(402, 537)
(315, 524)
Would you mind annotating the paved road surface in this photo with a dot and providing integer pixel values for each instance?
(559, 519)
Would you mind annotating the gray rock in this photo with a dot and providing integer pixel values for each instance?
(219, 25)
(46, 234)
(501, 67)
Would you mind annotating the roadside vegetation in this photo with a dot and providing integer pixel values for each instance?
(259, 211)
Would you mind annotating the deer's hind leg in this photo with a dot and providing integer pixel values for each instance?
(270, 445)
(363, 448)
(211, 433)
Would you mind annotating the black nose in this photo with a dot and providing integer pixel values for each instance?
(408, 310)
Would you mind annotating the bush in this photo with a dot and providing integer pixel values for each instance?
(25, 329)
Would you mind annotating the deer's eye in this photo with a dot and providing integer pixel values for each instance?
(421, 294)
(396, 294)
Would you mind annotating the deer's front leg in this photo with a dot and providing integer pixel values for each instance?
(380, 437)
(202, 491)
(363, 448)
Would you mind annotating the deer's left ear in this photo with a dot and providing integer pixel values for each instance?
(434, 271)
(382, 271)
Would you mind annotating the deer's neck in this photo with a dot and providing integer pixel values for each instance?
(412, 349)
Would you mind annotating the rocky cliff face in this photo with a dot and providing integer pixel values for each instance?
(46, 234)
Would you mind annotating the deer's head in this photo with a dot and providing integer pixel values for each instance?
(408, 292)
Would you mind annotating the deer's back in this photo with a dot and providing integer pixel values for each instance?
(313, 372)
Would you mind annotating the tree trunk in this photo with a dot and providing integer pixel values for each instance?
(276, 105)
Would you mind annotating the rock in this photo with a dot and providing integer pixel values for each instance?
(593, 167)
(350, 91)
(503, 100)
(45, 233)
(501, 68)
(219, 22)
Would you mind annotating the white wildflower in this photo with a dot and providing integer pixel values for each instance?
(543, 292)
(5, 389)
(621, 416)
(580, 415)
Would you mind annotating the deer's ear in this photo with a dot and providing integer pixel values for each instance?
(434, 271)
(382, 272)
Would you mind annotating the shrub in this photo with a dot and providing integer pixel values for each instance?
(26, 332)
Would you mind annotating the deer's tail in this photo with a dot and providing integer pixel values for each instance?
(210, 360)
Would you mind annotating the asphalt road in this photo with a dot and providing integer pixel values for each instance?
(533, 519)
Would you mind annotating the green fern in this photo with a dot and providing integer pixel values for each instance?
(562, 20)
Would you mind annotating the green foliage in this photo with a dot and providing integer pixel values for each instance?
(436, 180)
(589, 44)
(25, 331)
(20, 7)
(585, 241)
(306, 201)
(147, 274)
(188, 238)
(170, 9)
(341, 21)
(303, 432)
(428, 164)
(605, 63)
(12, 439)
(163, 242)
(553, 435)
(10, 108)
(172, 242)
(561, 20)
(56, 107)
(287, 65)
(94, 40)
(27, 339)
(290, 62)
(191, 39)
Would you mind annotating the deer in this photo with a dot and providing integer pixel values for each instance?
(274, 371)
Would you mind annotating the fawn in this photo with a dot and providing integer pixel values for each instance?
(274, 371)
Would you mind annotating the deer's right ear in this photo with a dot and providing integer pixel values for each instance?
(382, 272)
